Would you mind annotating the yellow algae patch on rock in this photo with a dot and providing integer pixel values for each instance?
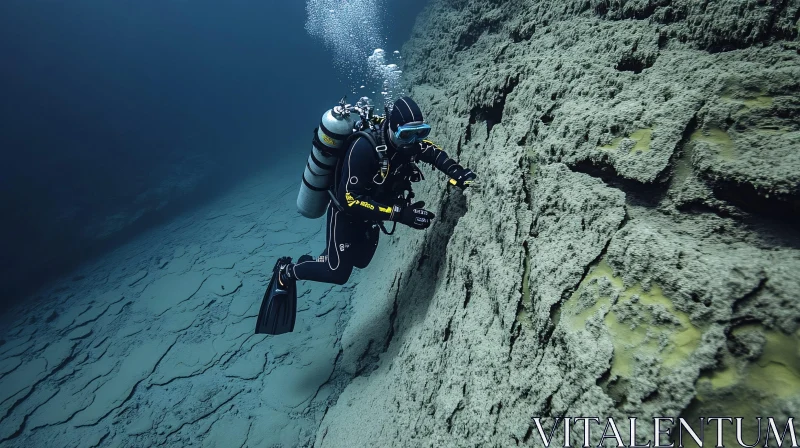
(719, 140)
(590, 297)
(754, 388)
(638, 141)
(750, 101)
(777, 371)
(642, 138)
(614, 145)
(686, 341)
(725, 377)
(656, 321)
(641, 323)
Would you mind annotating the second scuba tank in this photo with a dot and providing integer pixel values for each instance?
(327, 147)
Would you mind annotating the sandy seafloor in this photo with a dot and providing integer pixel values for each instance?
(154, 343)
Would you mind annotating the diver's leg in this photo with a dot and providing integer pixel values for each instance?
(337, 266)
(365, 244)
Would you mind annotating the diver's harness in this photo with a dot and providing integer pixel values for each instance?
(368, 127)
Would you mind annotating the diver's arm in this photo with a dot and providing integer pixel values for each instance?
(359, 167)
(433, 154)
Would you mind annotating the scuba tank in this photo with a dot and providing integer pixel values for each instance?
(330, 142)
(328, 145)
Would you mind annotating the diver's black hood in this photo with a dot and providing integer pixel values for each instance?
(405, 110)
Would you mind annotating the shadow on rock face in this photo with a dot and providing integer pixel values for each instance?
(783, 207)
(637, 193)
(415, 294)
(430, 261)
(415, 287)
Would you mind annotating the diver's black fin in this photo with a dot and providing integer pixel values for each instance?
(279, 306)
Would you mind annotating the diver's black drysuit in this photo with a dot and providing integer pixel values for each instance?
(367, 199)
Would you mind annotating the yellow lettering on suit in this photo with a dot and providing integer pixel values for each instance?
(351, 201)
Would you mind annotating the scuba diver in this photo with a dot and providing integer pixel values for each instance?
(361, 174)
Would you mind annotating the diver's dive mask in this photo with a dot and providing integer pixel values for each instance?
(411, 133)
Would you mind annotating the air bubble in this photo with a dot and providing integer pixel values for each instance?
(360, 54)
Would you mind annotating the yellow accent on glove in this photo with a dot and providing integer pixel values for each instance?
(435, 146)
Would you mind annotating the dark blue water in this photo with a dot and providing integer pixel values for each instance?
(111, 109)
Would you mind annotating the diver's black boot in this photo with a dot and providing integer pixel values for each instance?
(286, 269)
(279, 305)
(285, 277)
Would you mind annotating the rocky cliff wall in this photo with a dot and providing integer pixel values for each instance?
(634, 248)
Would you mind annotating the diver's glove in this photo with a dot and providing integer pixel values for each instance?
(463, 178)
(414, 215)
